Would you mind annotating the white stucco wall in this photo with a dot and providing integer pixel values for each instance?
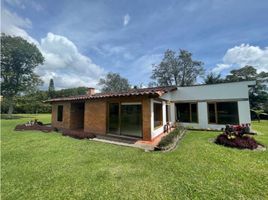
(238, 90)
(205, 93)
(244, 112)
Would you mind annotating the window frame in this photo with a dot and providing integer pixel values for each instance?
(190, 109)
(58, 106)
(216, 111)
(120, 103)
(162, 120)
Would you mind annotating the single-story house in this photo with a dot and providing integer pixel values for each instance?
(143, 113)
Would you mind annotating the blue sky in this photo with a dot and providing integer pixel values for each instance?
(83, 40)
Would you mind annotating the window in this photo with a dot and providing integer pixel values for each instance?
(223, 113)
(158, 116)
(60, 113)
(167, 113)
(187, 112)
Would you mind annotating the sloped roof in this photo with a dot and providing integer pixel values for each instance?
(154, 91)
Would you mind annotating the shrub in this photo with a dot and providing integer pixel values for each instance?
(171, 137)
(77, 134)
(240, 142)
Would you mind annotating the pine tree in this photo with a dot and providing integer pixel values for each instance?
(51, 89)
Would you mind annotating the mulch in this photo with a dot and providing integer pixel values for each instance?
(77, 134)
(34, 127)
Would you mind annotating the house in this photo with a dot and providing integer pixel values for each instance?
(143, 113)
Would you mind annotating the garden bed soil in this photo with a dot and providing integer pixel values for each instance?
(172, 146)
(239, 142)
(77, 134)
(34, 127)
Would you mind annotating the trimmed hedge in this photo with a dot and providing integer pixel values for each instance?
(169, 140)
(240, 142)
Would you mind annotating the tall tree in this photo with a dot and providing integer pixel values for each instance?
(113, 82)
(19, 58)
(213, 78)
(258, 95)
(179, 69)
(51, 89)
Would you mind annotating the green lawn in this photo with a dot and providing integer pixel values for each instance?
(39, 165)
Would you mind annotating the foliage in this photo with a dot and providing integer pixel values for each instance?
(213, 78)
(19, 58)
(240, 142)
(70, 92)
(258, 113)
(170, 138)
(33, 102)
(258, 95)
(37, 165)
(114, 83)
(179, 69)
(51, 89)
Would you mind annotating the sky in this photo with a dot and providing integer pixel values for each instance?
(83, 40)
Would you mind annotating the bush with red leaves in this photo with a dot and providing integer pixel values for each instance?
(240, 142)
(77, 134)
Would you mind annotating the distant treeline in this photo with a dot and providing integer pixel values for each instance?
(33, 102)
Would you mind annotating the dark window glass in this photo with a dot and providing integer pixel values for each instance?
(194, 112)
(227, 113)
(131, 122)
(187, 112)
(60, 113)
(158, 121)
(114, 118)
(212, 113)
(167, 113)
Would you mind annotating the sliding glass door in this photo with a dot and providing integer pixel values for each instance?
(125, 119)
(113, 118)
(131, 120)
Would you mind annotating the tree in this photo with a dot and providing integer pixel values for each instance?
(258, 113)
(179, 70)
(258, 95)
(18, 61)
(213, 78)
(113, 82)
(51, 89)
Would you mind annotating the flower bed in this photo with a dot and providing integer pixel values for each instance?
(170, 141)
(240, 142)
(34, 127)
(77, 134)
(235, 136)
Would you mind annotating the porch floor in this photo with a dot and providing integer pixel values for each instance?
(130, 142)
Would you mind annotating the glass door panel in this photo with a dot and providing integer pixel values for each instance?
(131, 120)
(114, 118)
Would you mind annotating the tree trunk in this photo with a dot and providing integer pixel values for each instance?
(10, 107)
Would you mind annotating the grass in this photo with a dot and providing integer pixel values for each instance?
(38, 165)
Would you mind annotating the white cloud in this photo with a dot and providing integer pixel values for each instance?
(126, 19)
(22, 4)
(221, 67)
(242, 55)
(63, 61)
(65, 64)
(12, 24)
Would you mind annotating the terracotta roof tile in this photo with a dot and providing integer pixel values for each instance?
(155, 91)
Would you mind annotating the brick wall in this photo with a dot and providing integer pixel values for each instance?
(95, 115)
(65, 123)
